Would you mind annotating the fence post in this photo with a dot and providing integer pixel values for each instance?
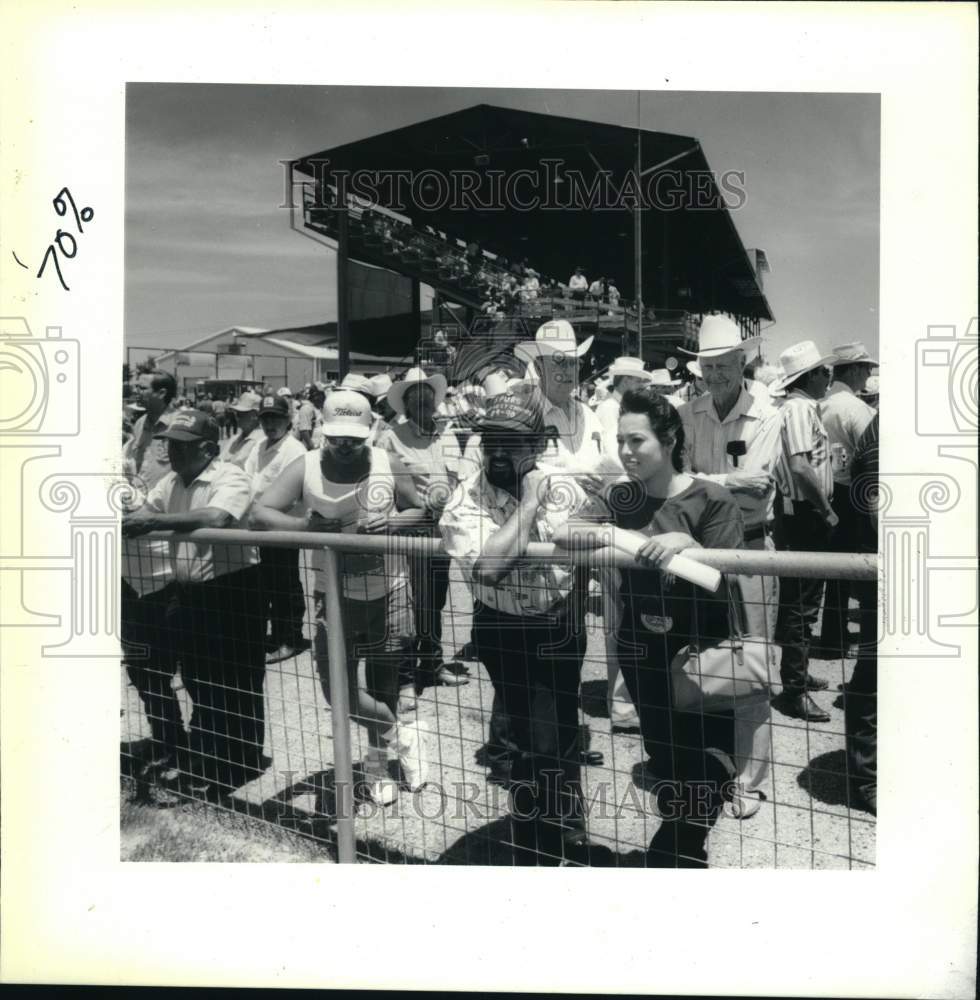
(340, 711)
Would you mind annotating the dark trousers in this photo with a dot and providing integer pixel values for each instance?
(283, 596)
(861, 696)
(535, 666)
(222, 655)
(430, 588)
(692, 754)
(148, 633)
(833, 626)
(799, 598)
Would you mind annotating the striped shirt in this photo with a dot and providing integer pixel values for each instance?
(802, 433)
(706, 439)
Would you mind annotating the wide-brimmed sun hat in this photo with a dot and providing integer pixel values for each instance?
(415, 376)
(660, 376)
(719, 335)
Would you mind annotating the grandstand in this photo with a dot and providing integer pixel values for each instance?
(434, 204)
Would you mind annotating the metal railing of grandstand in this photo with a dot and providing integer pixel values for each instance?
(310, 785)
(440, 259)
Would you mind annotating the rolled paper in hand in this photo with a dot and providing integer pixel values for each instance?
(687, 569)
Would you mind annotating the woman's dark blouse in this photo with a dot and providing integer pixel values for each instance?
(680, 611)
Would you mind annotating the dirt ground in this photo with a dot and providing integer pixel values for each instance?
(461, 818)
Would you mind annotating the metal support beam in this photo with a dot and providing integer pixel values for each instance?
(343, 282)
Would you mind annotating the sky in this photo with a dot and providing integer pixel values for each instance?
(208, 247)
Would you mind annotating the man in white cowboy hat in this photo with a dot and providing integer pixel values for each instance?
(626, 373)
(846, 418)
(731, 438)
(806, 524)
(433, 458)
(554, 357)
(576, 448)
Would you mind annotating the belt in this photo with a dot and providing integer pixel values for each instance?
(756, 531)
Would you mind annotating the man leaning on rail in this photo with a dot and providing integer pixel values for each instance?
(524, 618)
(220, 619)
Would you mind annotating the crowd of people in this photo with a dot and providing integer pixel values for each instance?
(731, 455)
(502, 286)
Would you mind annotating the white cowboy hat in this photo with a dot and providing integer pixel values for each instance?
(871, 387)
(554, 337)
(247, 402)
(796, 361)
(719, 335)
(695, 369)
(660, 376)
(853, 354)
(415, 376)
(380, 385)
(629, 366)
(357, 382)
(284, 391)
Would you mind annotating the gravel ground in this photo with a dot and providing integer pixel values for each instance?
(460, 818)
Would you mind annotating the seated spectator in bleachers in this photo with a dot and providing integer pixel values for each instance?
(612, 293)
(597, 290)
(531, 286)
(578, 285)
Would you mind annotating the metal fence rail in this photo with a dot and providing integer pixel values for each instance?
(311, 778)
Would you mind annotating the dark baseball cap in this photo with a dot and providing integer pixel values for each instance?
(518, 410)
(274, 404)
(191, 425)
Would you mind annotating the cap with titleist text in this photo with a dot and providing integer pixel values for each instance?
(191, 425)
(347, 413)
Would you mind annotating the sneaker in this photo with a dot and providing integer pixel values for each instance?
(378, 784)
(407, 700)
(408, 744)
(282, 653)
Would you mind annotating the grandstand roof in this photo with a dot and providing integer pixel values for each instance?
(693, 257)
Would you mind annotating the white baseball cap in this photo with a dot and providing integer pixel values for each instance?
(347, 413)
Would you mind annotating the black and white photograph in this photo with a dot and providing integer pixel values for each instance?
(519, 318)
(436, 445)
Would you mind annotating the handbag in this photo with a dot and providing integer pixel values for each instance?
(721, 677)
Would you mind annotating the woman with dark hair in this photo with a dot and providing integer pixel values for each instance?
(691, 753)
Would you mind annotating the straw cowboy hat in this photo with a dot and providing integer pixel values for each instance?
(660, 376)
(796, 361)
(695, 369)
(853, 354)
(357, 382)
(380, 385)
(719, 335)
(554, 337)
(415, 376)
(629, 366)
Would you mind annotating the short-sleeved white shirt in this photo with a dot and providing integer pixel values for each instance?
(221, 485)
